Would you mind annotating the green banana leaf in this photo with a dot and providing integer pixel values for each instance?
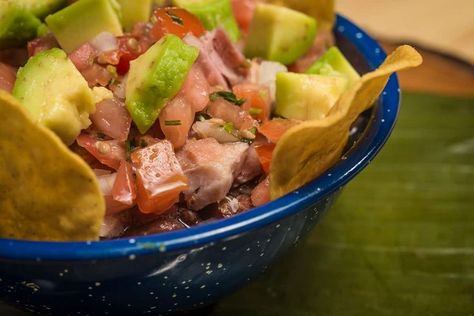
(400, 241)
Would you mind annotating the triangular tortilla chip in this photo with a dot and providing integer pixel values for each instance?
(47, 193)
(309, 149)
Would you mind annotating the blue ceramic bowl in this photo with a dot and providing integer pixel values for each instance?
(191, 268)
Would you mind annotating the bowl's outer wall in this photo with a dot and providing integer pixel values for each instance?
(189, 276)
(163, 282)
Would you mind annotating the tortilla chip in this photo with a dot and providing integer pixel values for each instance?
(322, 10)
(47, 193)
(309, 149)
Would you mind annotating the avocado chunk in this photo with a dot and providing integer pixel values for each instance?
(333, 63)
(280, 34)
(55, 94)
(134, 11)
(213, 14)
(307, 97)
(156, 77)
(82, 21)
(41, 8)
(17, 25)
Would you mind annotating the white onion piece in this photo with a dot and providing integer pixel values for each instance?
(208, 129)
(106, 183)
(264, 74)
(105, 42)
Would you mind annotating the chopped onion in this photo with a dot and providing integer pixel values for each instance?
(208, 129)
(105, 42)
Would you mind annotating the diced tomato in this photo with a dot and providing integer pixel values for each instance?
(243, 12)
(41, 44)
(261, 193)
(160, 179)
(258, 101)
(109, 152)
(265, 154)
(112, 118)
(83, 57)
(7, 77)
(124, 189)
(273, 130)
(175, 21)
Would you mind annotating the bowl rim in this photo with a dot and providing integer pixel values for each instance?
(210, 233)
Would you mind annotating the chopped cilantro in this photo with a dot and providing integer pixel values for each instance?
(202, 116)
(228, 96)
(130, 145)
(253, 130)
(173, 123)
(176, 19)
(100, 136)
(229, 128)
(255, 111)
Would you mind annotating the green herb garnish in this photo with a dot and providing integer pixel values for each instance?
(202, 116)
(229, 128)
(130, 146)
(176, 19)
(255, 111)
(100, 136)
(173, 123)
(253, 130)
(228, 96)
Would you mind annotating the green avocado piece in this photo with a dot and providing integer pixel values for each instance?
(333, 63)
(17, 25)
(307, 97)
(280, 34)
(41, 8)
(55, 94)
(213, 14)
(156, 77)
(83, 20)
(134, 11)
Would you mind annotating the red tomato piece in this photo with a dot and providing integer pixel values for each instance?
(124, 189)
(273, 130)
(243, 12)
(7, 77)
(265, 154)
(261, 193)
(176, 21)
(109, 152)
(160, 179)
(258, 101)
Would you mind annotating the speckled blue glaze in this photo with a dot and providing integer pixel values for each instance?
(191, 268)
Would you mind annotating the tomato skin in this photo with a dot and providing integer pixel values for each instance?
(175, 21)
(127, 52)
(124, 189)
(261, 194)
(109, 152)
(257, 99)
(273, 130)
(243, 12)
(265, 155)
(160, 179)
(7, 77)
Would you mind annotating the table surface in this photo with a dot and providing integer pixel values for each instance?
(400, 239)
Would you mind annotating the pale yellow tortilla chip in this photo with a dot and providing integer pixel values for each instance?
(306, 151)
(322, 10)
(47, 193)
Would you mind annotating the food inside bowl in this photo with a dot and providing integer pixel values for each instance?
(180, 114)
